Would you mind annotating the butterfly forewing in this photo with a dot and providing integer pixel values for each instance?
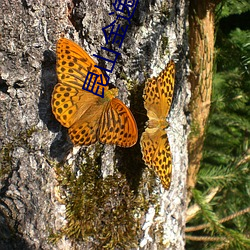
(158, 92)
(69, 104)
(62, 104)
(166, 87)
(73, 64)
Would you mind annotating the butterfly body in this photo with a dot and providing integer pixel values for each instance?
(88, 117)
(157, 123)
(158, 93)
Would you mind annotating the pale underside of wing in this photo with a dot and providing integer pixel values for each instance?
(117, 125)
(156, 154)
(73, 64)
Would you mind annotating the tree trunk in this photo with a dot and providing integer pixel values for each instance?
(54, 195)
(201, 40)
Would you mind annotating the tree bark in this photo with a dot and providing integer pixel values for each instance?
(40, 169)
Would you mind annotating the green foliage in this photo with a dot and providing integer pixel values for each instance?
(207, 211)
(226, 153)
(218, 176)
(230, 7)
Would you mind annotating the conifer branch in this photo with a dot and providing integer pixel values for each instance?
(245, 159)
(194, 209)
(205, 238)
(230, 217)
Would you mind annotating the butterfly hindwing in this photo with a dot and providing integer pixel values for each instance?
(118, 125)
(156, 154)
(84, 131)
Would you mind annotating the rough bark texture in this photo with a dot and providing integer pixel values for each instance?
(32, 142)
(201, 40)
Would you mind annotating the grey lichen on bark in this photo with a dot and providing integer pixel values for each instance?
(32, 141)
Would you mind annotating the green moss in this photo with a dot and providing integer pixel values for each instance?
(131, 84)
(164, 45)
(195, 129)
(28, 133)
(164, 10)
(19, 140)
(105, 212)
(123, 76)
(5, 161)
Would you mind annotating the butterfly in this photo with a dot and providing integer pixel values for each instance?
(88, 117)
(157, 95)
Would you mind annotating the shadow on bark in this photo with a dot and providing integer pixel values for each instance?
(9, 239)
(61, 145)
(130, 159)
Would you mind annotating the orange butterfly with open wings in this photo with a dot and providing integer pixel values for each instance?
(88, 117)
(158, 94)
